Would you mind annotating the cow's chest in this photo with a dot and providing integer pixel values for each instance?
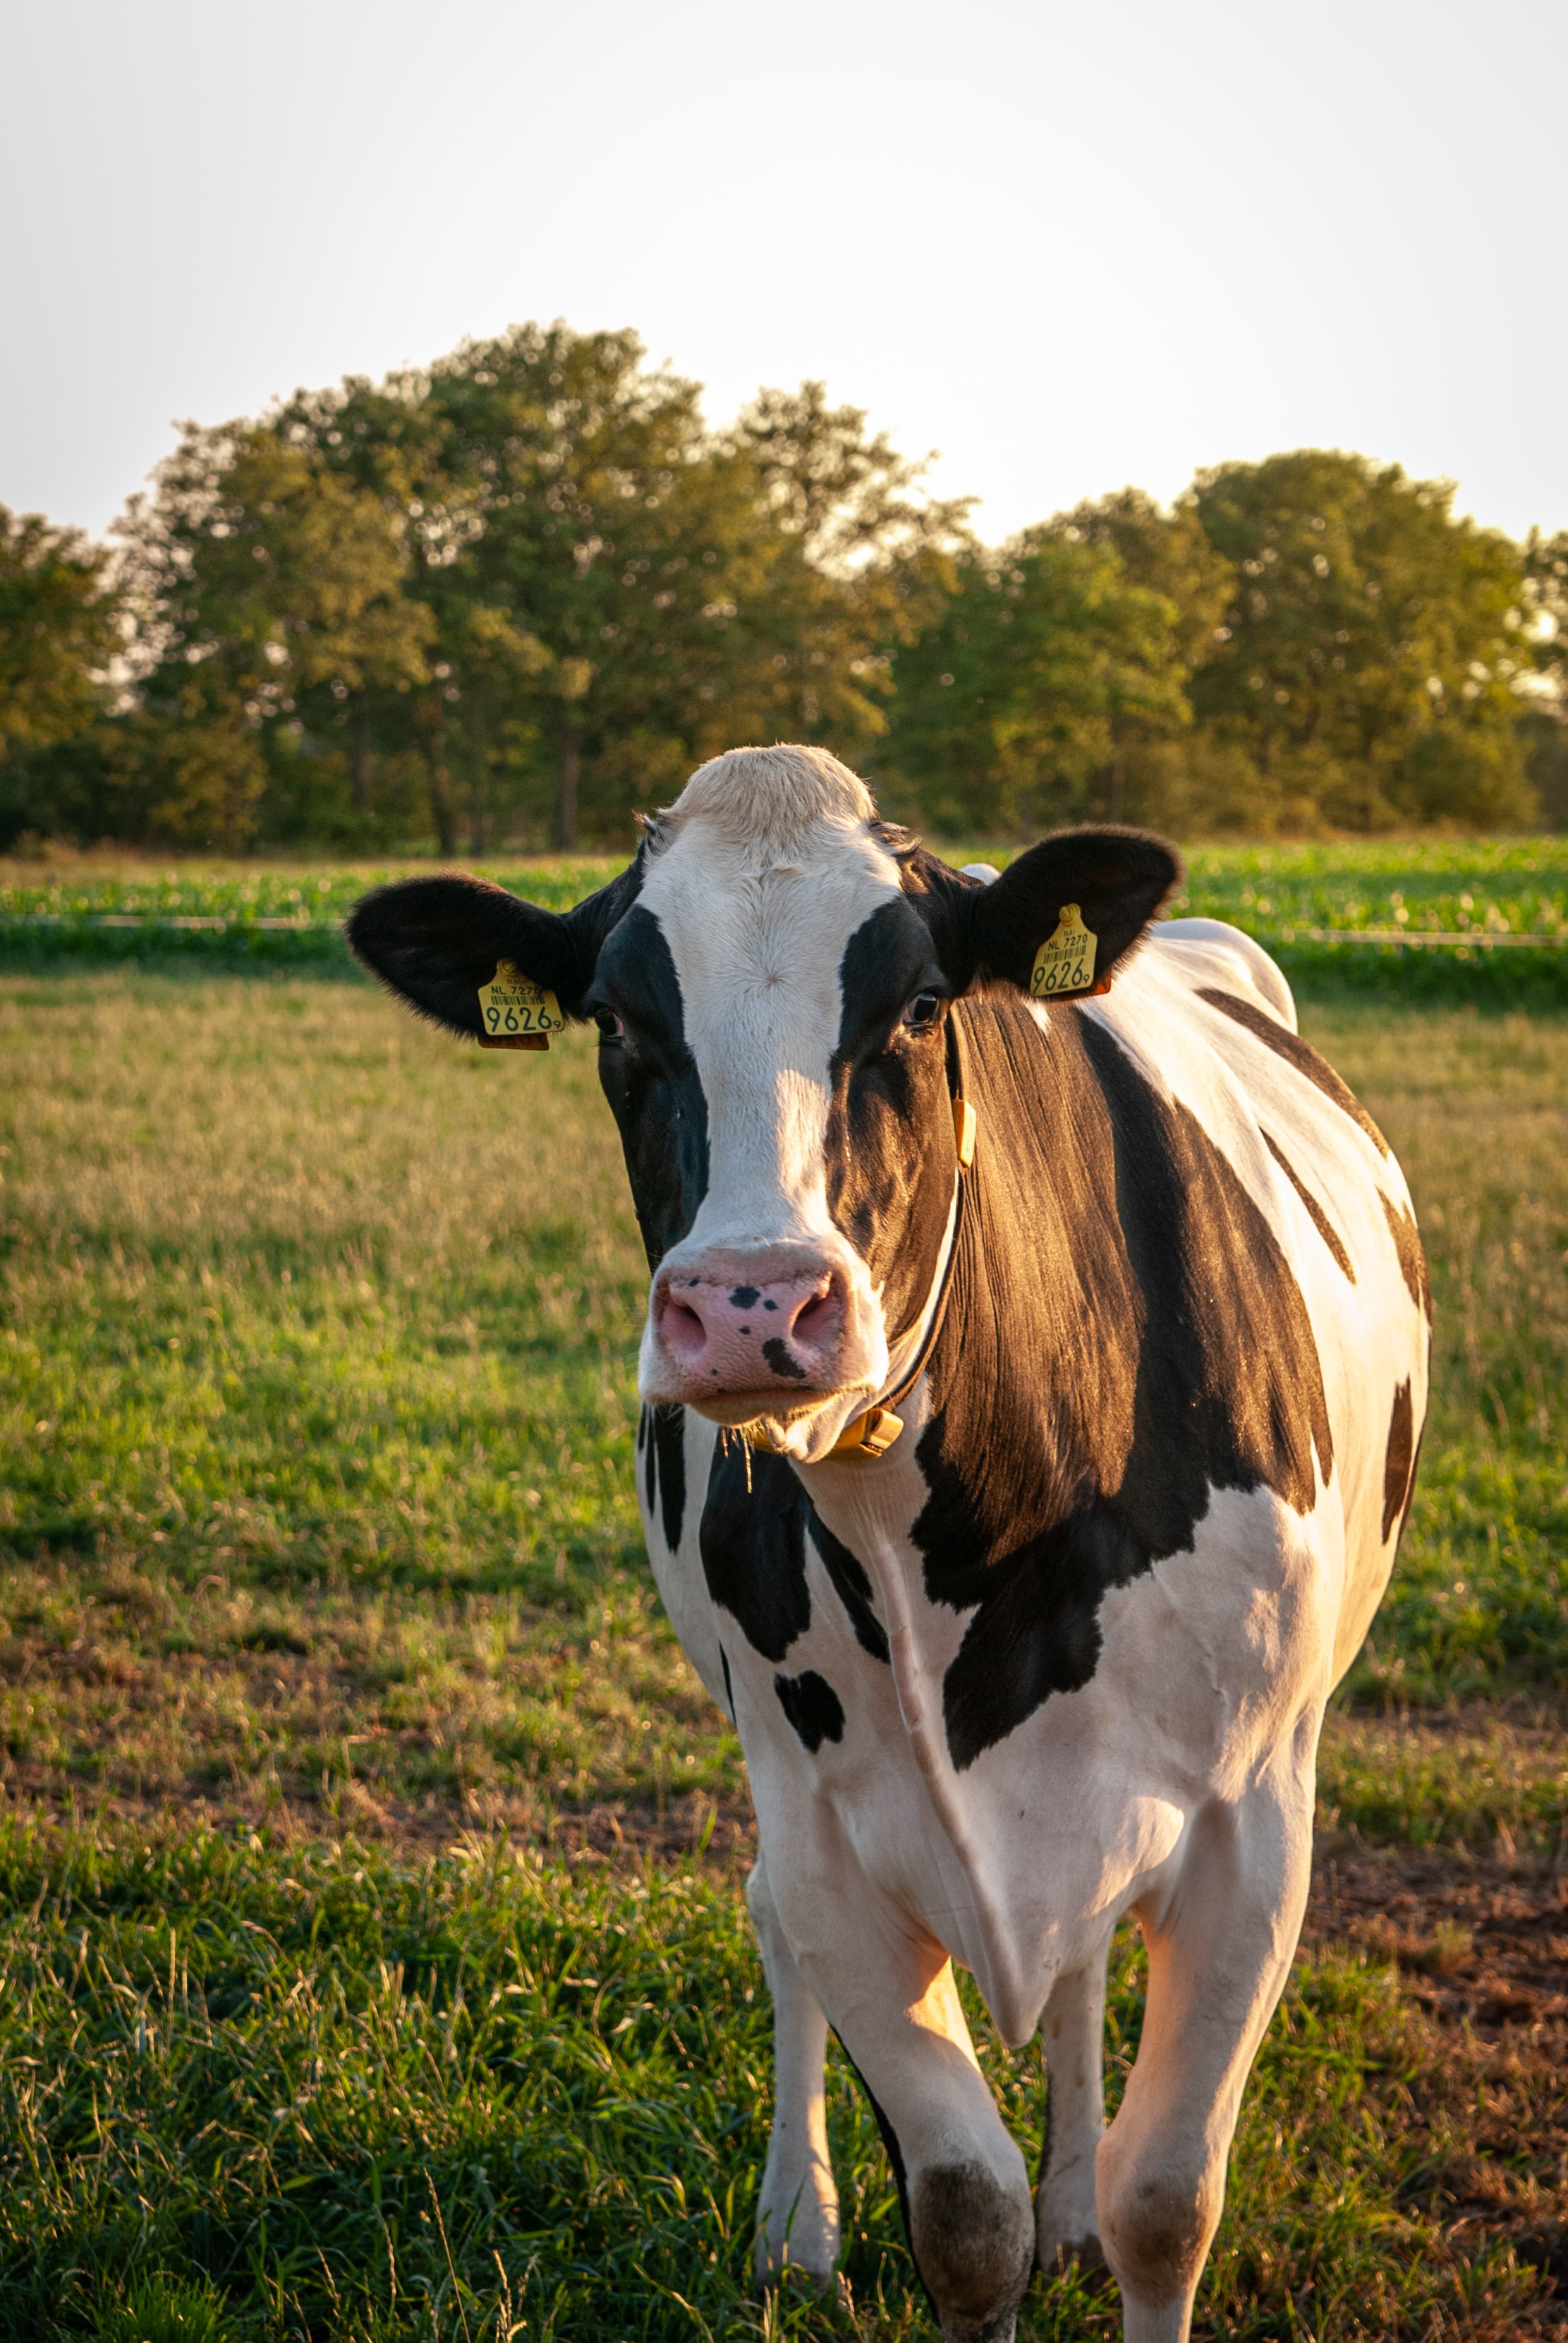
(840, 1668)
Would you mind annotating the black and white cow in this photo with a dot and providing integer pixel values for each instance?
(1022, 1510)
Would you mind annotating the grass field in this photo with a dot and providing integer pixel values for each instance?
(336, 1706)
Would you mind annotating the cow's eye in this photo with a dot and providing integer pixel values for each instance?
(923, 1010)
(610, 1028)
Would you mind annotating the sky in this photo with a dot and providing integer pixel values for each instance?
(1068, 245)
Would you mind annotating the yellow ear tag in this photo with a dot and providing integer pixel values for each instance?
(1065, 961)
(519, 1014)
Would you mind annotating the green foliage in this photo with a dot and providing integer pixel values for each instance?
(618, 593)
(523, 592)
(1371, 651)
(271, 589)
(58, 631)
(1043, 658)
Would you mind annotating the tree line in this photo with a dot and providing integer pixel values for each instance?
(515, 597)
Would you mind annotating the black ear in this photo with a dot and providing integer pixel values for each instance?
(434, 942)
(1118, 877)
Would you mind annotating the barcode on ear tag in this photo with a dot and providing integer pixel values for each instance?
(1065, 961)
(517, 1013)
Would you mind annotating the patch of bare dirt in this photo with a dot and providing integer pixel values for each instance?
(1475, 1943)
(1482, 1950)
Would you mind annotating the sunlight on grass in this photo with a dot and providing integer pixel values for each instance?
(361, 2099)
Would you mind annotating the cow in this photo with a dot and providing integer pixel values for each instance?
(1033, 1370)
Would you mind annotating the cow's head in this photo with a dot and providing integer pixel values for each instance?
(771, 980)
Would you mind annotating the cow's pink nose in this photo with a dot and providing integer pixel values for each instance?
(725, 1335)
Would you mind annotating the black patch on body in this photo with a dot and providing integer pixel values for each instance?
(890, 1157)
(729, 1687)
(1125, 1335)
(1316, 1213)
(1407, 1244)
(753, 1544)
(1399, 1462)
(1296, 1052)
(812, 1707)
(645, 1449)
(650, 1080)
(851, 1585)
(668, 1443)
(755, 1525)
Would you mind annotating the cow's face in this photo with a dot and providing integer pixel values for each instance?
(770, 982)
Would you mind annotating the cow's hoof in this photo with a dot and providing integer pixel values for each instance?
(973, 2244)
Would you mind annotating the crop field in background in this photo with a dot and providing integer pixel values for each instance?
(370, 1911)
(1496, 886)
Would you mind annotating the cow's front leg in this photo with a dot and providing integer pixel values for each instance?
(1220, 1944)
(798, 2216)
(1072, 2028)
(961, 2175)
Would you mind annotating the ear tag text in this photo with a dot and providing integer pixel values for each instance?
(1065, 961)
(517, 1013)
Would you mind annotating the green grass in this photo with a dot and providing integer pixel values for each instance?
(316, 1410)
(316, 1343)
(317, 1407)
(310, 2092)
(1520, 883)
(1282, 893)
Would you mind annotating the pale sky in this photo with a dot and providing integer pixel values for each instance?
(1070, 246)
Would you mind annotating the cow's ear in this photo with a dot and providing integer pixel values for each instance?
(1109, 881)
(434, 942)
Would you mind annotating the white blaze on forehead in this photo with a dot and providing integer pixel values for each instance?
(761, 873)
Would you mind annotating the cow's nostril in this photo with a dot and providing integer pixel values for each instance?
(683, 1330)
(809, 1321)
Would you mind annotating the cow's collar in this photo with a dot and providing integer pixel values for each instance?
(873, 1433)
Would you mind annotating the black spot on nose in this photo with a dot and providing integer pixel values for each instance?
(779, 1359)
(746, 1330)
(770, 1305)
(744, 1297)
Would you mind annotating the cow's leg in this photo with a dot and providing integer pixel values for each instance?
(798, 2217)
(1073, 2029)
(1220, 1944)
(960, 2175)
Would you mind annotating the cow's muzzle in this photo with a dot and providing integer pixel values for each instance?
(742, 1333)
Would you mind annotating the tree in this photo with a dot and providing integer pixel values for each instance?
(1545, 728)
(617, 592)
(1017, 696)
(268, 589)
(580, 549)
(1168, 554)
(867, 561)
(1370, 654)
(59, 632)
